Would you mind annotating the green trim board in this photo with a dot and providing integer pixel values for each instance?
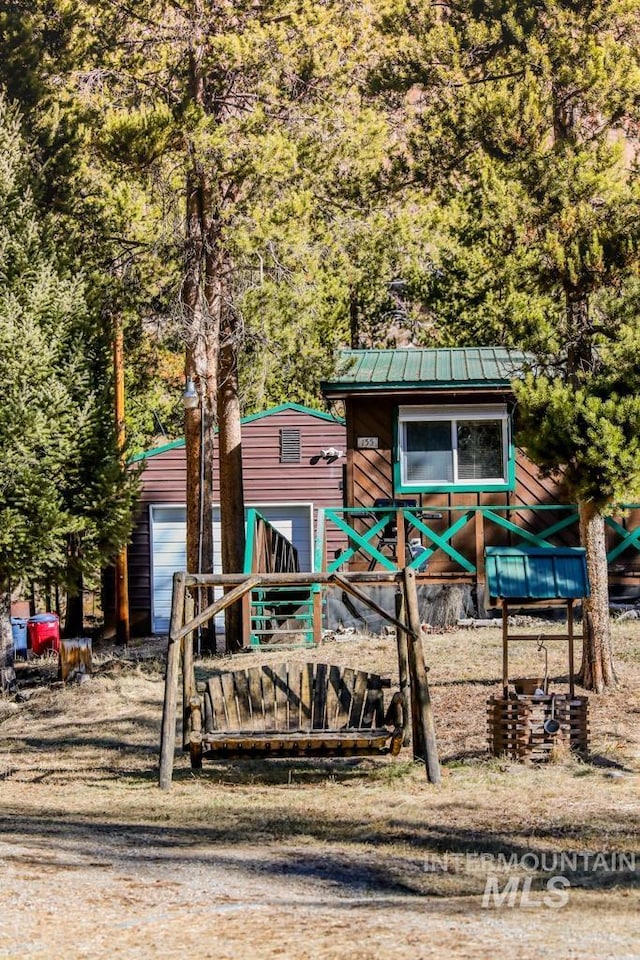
(297, 407)
(174, 445)
(493, 514)
(361, 541)
(630, 538)
(442, 541)
(479, 487)
(251, 515)
(382, 517)
(282, 408)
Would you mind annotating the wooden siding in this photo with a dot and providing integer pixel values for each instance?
(533, 489)
(369, 476)
(266, 481)
(265, 478)
(370, 473)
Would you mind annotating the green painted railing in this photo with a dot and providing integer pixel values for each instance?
(268, 612)
(433, 529)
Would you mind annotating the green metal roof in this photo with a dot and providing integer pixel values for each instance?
(536, 573)
(360, 370)
(297, 407)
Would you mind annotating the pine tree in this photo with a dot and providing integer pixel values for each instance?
(528, 114)
(218, 112)
(47, 411)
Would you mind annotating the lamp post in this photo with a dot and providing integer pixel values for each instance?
(191, 400)
(199, 490)
(123, 630)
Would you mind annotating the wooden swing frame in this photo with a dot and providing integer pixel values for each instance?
(414, 687)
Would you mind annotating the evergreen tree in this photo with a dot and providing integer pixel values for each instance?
(102, 216)
(220, 112)
(48, 415)
(528, 113)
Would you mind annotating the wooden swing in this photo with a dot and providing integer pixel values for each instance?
(295, 709)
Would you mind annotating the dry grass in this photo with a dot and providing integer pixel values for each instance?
(309, 858)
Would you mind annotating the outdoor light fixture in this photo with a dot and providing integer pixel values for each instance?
(190, 397)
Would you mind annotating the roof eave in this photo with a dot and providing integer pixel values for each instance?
(335, 390)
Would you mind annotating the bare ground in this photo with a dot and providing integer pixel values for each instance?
(314, 859)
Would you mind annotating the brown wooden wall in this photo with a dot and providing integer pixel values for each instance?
(369, 476)
(265, 478)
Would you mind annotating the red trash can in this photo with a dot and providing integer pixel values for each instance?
(43, 632)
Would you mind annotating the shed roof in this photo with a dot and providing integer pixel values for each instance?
(378, 370)
(536, 573)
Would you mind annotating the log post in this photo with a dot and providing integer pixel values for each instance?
(421, 712)
(246, 621)
(572, 682)
(168, 735)
(188, 675)
(505, 649)
(316, 597)
(195, 732)
(403, 668)
(418, 742)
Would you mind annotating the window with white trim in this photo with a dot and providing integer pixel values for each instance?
(466, 446)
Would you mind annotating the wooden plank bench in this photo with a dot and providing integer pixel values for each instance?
(293, 710)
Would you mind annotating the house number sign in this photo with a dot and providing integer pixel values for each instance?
(368, 443)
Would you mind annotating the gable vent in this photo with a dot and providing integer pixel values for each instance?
(289, 445)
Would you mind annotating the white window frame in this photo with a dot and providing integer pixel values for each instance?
(421, 414)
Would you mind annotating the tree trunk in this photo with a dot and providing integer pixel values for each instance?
(232, 530)
(74, 619)
(354, 319)
(200, 301)
(123, 632)
(199, 426)
(7, 668)
(597, 671)
(579, 336)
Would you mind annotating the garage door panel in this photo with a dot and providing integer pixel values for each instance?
(168, 536)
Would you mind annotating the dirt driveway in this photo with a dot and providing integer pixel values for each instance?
(310, 860)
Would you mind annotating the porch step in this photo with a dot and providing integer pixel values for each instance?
(280, 615)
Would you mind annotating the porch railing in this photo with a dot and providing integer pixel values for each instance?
(459, 534)
(285, 612)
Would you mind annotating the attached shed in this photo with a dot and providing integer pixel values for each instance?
(293, 459)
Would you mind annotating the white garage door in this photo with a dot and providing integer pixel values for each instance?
(168, 549)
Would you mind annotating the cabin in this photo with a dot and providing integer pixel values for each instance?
(293, 460)
(432, 431)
